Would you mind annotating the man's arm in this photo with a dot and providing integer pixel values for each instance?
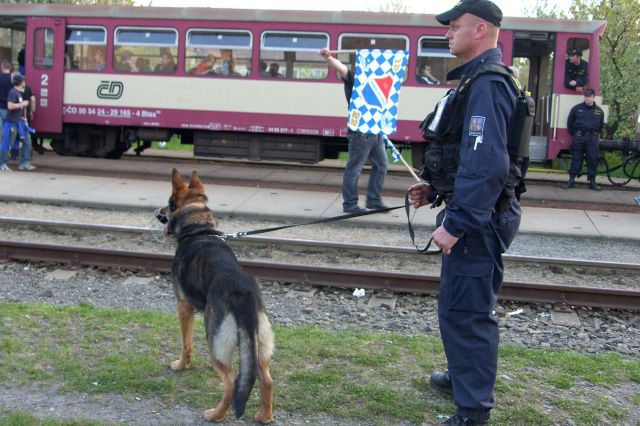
(567, 76)
(570, 119)
(335, 63)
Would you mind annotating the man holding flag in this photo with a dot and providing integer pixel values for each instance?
(362, 146)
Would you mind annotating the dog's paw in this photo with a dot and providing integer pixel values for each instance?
(263, 419)
(179, 365)
(213, 415)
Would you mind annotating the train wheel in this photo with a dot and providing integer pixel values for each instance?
(59, 148)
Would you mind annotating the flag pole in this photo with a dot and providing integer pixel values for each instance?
(335, 52)
(397, 153)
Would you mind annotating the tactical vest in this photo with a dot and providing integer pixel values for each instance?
(443, 129)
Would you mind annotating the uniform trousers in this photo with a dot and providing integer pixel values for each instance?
(470, 280)
(584, 146)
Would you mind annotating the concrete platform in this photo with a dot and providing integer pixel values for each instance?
(252, 199)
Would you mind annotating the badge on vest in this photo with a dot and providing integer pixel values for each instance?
(476, 126)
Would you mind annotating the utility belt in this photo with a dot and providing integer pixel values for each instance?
(586, 133)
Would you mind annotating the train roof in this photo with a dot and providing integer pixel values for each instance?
(14, 15)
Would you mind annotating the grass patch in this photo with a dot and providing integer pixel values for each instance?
(22, 418)
(354, 375)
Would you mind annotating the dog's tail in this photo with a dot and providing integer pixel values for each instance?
(247, 342)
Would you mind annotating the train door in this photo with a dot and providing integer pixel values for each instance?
(533, 57)
(45, 71)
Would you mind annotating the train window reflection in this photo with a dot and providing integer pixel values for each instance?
(434, 60)
(43, 48)
(217, 52)
(85, 48)
(293, 55)
(145, 50)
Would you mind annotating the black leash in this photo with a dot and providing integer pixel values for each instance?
(328, 219)
(421, 250)
(407, 206)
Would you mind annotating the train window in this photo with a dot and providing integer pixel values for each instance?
(43, 48)
(145, 50)
(218, 52)
(434, 60)
(85, 48)
(293, 55)
(353, 42)
(579, 44)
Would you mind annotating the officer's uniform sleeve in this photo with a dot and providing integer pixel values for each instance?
(567, 75)
(484, 160)
(570, 120)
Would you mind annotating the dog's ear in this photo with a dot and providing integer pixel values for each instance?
(196, 184)
(176, 180)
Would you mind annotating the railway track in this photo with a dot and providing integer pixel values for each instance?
(558, 295)
(321, 245)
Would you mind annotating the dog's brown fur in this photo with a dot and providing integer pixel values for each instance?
(207, 277)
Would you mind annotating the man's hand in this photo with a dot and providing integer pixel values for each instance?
(418, 193)
(444, 240)
(325, 53)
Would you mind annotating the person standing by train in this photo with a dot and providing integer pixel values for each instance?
(5, 87)
(15, 126)
(479, 224)
(361, 147)
(585, 122)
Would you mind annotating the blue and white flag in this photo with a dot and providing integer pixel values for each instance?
(373, 107)
(395, 154)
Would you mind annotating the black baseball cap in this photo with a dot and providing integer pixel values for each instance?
(589, 92)
(481, 8)
(575, 52)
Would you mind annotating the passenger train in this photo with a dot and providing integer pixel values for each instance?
(251, 83)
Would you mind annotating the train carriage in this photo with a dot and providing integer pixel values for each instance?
(250, 83)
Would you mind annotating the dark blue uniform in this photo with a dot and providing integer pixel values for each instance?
(579, 73)
(585, 124)
(472, 274)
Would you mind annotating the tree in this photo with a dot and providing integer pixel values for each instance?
(619, 56)
(394, 6)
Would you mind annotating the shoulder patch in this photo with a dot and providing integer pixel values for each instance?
(476, 125)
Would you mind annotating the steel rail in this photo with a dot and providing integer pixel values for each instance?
(326, 276)
(316, 244)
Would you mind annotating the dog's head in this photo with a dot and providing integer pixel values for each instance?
(183, 198)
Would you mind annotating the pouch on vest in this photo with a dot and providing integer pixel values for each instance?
(441, 129)
(437, 123)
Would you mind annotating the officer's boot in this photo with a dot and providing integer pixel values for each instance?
(593, 186)
(571, 183)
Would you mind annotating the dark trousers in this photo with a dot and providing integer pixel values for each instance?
(470, 280)
(584, 146)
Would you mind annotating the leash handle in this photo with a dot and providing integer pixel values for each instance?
(421, 250)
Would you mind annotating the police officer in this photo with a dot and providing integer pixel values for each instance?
(585, 122)
(473, 234)
(576, 73)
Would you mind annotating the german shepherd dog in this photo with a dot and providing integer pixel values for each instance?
(208, 278)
